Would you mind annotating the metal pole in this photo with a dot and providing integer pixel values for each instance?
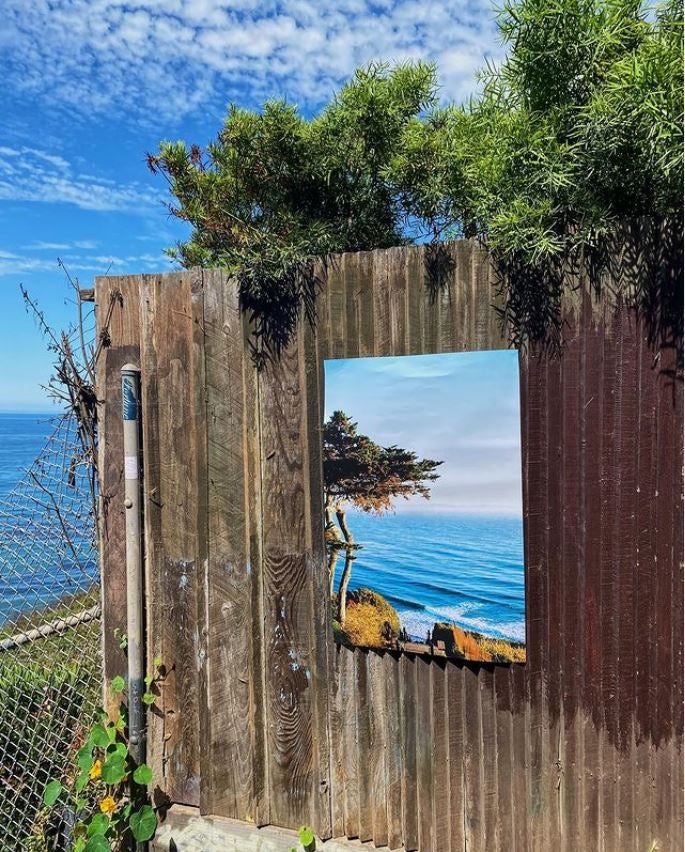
(130, 397)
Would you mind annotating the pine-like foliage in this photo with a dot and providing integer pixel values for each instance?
(360, 471)
(276, 191)
(580, 128)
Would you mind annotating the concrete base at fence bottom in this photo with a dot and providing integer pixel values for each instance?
(184, 830)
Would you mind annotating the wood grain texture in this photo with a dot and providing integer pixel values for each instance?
(118, 324)
(176, 514)
(578, 748)
(232, 740)
(295, 698)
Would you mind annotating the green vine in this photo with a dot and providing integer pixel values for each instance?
(108, 790)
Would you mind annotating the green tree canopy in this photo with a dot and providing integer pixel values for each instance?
(275, 191)
(579, 128)
(359, 471)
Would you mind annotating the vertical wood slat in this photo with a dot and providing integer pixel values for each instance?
(592, 715)
(295, 700)
(117, 319)
(175, 513)
(232, 742)
(408, 705)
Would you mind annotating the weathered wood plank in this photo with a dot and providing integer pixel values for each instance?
(414, 284)
(455, 745)
(553, 396)
(118, 323)
(365, 754)
(365, 303)
(408, 703)
(312, 380)
(169, 331)
(569, 580)
(351, 741)
(424, 755)
(591, 645)
(230, 743)
(506, 801)
(377, 767)
(441, 756)
(393, 751)
(610, 479)
(295, 687)
(535, 508)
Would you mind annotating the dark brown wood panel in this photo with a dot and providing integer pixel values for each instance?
(580, 748)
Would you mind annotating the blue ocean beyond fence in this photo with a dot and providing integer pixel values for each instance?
(38, 566)
(462, 569)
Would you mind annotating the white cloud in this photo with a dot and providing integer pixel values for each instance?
(13, 264)
(29, 174)
(166, 58)
(39, 245)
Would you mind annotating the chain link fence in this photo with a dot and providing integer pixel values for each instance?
(50, 650)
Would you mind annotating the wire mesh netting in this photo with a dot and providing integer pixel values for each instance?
(50, 652)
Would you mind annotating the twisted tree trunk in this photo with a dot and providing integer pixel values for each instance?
(341, 515)
(342, 589)
(332, 562)
(331, 531)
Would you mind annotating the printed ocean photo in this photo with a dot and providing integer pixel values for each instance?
(423, 504)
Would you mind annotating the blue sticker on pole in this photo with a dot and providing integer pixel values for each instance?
(129, 397)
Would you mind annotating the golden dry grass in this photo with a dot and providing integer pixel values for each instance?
(368, 617)
(484, 649)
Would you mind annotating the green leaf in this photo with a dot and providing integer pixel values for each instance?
(79, 844)
(143, 823)
(118, 684)
(97, 843)
(157, 662)
(81, 781)
(306, 836)
(51, 793)
(117, 748)
(99, 736)
(98, 824)
(84, 758)
(149, 698)
(143, 775)
(114, 769)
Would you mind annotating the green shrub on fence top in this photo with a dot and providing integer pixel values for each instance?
(580, 127)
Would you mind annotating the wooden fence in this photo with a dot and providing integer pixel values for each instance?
(261, 716)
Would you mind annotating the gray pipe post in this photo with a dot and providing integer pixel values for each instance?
(130, 398)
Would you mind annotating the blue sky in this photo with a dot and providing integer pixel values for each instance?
(461, 409)
(89, 86)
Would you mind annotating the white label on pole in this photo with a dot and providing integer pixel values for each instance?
(130, 467)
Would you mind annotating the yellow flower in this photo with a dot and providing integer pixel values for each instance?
(95, 770)
(108, 805)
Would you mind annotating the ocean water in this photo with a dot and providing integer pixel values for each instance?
(22, 437)
(36, 566)
(462, 569)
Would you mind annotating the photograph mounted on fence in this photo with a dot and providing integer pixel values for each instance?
(423, 504)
